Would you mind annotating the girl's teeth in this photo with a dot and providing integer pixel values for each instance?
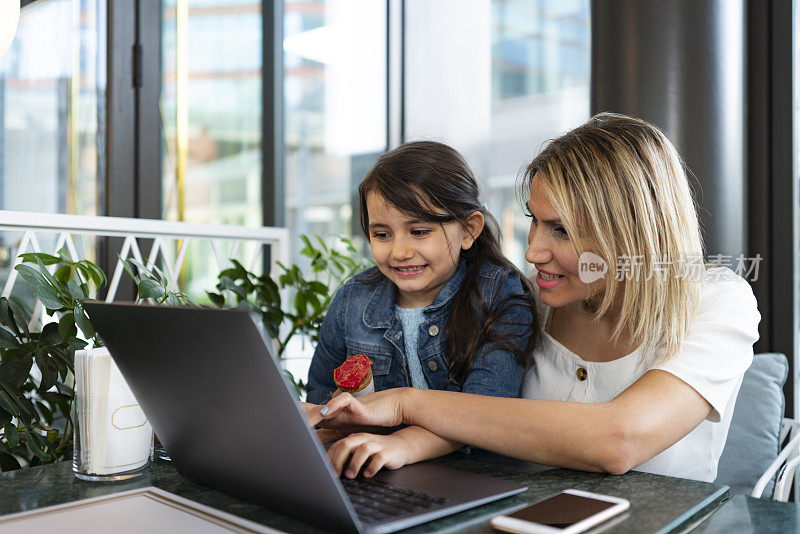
(548, 276)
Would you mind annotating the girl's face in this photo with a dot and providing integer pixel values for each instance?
(551, 251)
(419, 257)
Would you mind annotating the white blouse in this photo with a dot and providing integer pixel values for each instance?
(716, 352)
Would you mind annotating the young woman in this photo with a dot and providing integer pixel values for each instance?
(443, 309)
(639, 367)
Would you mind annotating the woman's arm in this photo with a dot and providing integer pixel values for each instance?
(651, 415)
(374, 452)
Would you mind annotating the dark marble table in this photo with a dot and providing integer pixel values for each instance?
(745, 515)
(658, 503)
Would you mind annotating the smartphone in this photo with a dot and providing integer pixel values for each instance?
(569, 512)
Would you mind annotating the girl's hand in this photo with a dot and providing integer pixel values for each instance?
(377, 409)
(370, 451)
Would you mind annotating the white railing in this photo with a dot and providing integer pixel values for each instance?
(224, 242)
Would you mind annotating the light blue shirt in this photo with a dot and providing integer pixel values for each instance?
(412, 318)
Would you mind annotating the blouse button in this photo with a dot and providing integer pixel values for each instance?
(432, 365)
(433, 330)
(581, 374)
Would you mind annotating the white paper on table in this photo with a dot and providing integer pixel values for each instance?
(115, 435)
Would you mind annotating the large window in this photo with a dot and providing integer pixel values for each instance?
(493, 78)
(520, 78)
(335, 108)
(52, 109)
(211, 113)
(52, 117)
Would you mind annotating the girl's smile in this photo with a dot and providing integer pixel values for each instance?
(409, 271)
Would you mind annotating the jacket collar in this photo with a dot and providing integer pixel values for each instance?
(379, 312)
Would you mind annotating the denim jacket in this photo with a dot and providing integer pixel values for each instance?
(362, 320)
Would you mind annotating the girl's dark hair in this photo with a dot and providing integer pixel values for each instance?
(431, 181)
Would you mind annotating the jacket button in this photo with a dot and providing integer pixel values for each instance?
(581, 374)
(433, 330)
(432, 365)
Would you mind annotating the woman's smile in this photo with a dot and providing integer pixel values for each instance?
(546, 280)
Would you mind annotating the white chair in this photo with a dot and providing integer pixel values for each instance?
(785, 465)
(761, 442)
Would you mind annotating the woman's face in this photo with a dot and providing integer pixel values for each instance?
(551, 251)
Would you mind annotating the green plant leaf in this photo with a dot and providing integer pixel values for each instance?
(7, 316)
(77, 292)
(66, 325)
(20, 308)
(5, 417)
(63, 253)
(29, 410)
(151, 270)
(35, 257)
(53, 283)
(150, 289)
(8, 404)
(300, 304)
(316, 305)
(96, 273)
(41, 287)
(8, 462)
(186, 300)
(36, 444)
(216, 299)
(12, 434)
(63, 273)
(271, 326)
(50, 299)
(14, 371)
(128, 266)
(50, 334)
(229, 273)
(48, 369)
(75, 343)
(7, 338)
(46, 412)
(31, 275)
(83, 322)
(60, 358)
(318, 287)
(54, 397)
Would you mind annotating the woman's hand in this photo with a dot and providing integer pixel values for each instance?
(377, 409)
(370, 451)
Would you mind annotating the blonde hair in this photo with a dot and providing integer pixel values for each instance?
(621, 189)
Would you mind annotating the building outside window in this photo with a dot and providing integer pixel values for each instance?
(211, 117)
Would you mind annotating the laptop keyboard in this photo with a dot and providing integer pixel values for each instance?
(375, 500)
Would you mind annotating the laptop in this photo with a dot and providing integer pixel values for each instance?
(209, 383)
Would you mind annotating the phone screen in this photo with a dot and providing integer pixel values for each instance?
(562, 511)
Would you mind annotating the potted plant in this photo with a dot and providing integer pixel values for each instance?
(309, 296)
(36, 403)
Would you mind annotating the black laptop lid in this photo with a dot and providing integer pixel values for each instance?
(210, 386)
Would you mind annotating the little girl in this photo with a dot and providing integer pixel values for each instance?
(443, 309)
